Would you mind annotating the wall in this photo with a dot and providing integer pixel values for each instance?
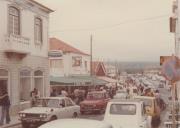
(68, 69)
(27, 25)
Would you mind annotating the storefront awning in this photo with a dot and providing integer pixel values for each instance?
(76, 81)
(107, 79)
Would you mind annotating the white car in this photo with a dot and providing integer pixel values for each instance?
(126, 114)
(48, 109)
(76, 123)
(121, 94)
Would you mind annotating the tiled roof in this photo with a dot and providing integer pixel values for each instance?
(95, 66)
(56, 44)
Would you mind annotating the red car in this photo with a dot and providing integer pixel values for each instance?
(95, 101)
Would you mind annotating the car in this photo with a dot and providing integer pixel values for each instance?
(126, 113)
(151, 105)
(76, 123)
(120, 94)
(47, 109)
(96, 101)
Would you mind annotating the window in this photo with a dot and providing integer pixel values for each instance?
(68, 102)
(85, 64)
(39, 81)
(76, 61)
(25, 84)
(14, 21)
(56, 63)
(123, 109)
(38, 30)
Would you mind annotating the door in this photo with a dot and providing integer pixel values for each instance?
(3, 85)
(62, 112)
(70, 107)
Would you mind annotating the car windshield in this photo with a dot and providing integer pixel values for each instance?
(123, 109)
(47, 103)
(95, 96)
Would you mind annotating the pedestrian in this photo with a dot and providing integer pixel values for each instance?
(34, 96)
(155, 122)
(64, 93)
(53, 93)
(5, 104)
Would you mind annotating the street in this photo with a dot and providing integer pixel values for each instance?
(86, 116)
(164, 94)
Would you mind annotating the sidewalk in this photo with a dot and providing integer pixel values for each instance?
(14, 121)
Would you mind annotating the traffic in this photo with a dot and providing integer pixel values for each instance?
(132, 103)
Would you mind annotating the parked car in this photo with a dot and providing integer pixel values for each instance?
(96, 101)
(121, 94)
(76, 123)
(126, 113)
(48, 109)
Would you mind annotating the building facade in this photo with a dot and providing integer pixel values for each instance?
(66, 60)
(23, 50)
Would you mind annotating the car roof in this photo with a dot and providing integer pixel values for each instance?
(54, 98)
(125, 101)
(144, 97)
(76, 123)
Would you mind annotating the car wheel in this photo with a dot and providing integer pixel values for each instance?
(75, 115)
(53, 118)
(25, 125)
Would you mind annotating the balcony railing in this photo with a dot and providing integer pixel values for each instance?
(17, 44)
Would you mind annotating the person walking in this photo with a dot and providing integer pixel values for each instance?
(34, 96)
(5, 103)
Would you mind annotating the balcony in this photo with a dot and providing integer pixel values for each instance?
(16, 44)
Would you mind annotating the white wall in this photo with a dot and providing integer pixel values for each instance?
(27, 26)
(68, 69)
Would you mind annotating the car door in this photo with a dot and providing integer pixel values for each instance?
(62, 112)
(70, 107)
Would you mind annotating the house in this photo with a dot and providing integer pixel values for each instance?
(99, 70)
(71, 61)
(23, 50)
(69, 67)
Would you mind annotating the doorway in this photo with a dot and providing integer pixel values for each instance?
(3, 86)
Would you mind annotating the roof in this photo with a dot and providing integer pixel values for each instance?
(96, 65)
(54, 98)
(75, 80)
(76, 123)
(41, 5)
(56, 44)
(144, 97)
(125, 100)
(107, 79)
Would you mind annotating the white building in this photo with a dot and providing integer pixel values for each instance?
(111, 70)
(23, 50)
(66, 60)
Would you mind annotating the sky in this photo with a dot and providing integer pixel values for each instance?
(122, 30)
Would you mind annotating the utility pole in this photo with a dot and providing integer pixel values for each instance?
(91, 39)
(177, 50)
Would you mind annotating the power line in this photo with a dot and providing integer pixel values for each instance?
(114, 25)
